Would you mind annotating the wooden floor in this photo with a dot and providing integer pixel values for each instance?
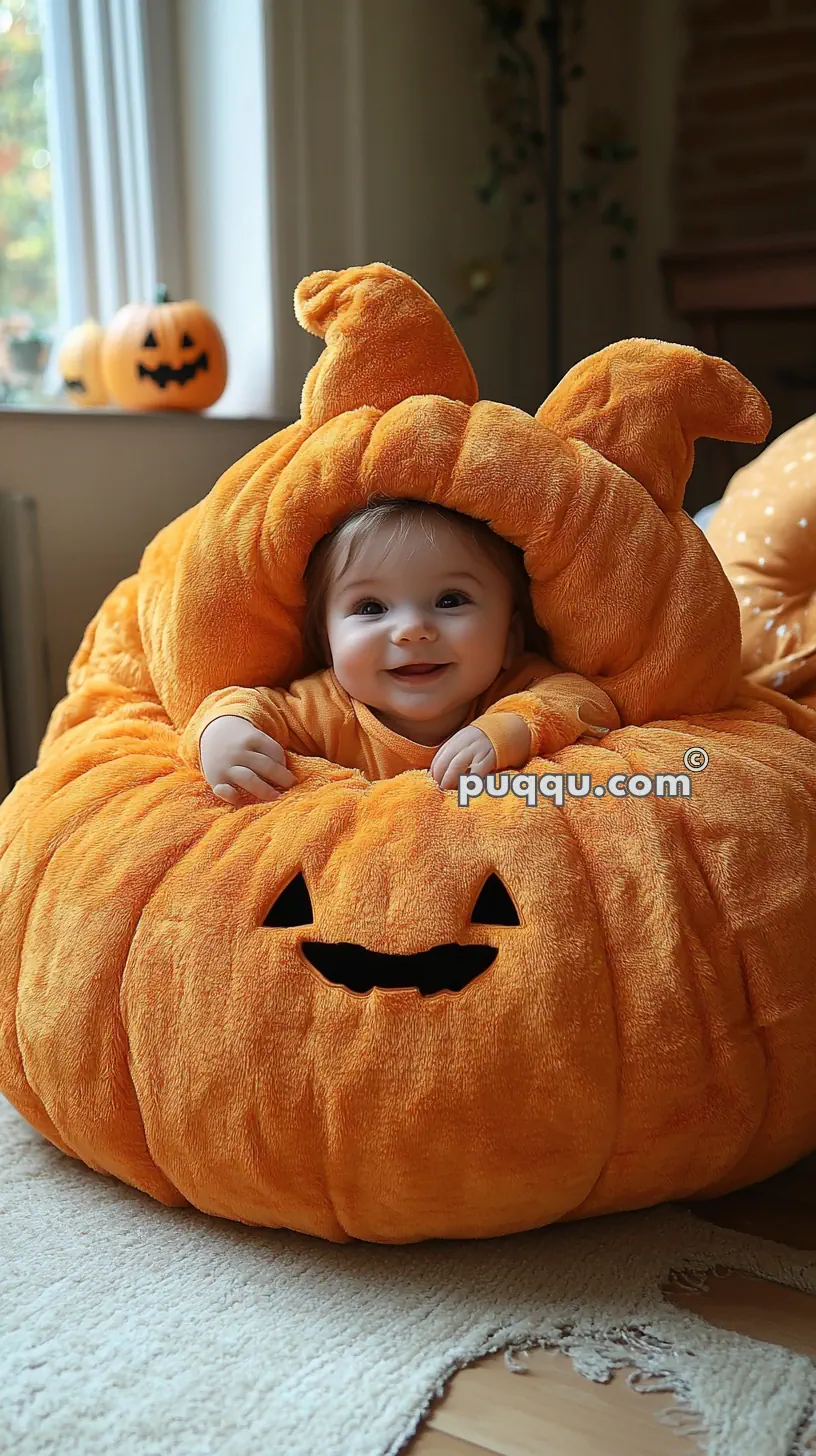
(552, 1411)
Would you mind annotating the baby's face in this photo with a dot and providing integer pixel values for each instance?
(418, 605)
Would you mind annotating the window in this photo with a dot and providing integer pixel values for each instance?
(28, 286)
(89, 170)
(135, 150)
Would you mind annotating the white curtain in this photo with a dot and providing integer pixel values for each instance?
(114, 137)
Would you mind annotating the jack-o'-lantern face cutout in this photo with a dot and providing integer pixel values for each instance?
(165, 356)
(163, 373)
(448, 967)
(80, 364)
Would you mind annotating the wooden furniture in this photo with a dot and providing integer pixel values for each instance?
(707, 286)
(758, 276)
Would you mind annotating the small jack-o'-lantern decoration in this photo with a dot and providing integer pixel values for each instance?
(164, 356)
(80, 364)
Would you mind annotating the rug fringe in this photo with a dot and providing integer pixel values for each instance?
(597, 1356)
(804, 1440)
(656, 1364)
(631, 1345)
(510, 1361)
(690, 1281)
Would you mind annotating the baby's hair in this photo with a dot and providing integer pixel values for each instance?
(337, 550)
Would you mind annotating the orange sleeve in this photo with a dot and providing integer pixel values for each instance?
(557, 709)
(307, 718)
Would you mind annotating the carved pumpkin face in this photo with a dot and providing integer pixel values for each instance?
(164, 356)
(80, 365)
(448, 967)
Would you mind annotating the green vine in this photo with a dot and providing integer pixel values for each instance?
(519, 33)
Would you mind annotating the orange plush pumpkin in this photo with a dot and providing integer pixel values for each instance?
(164, 356)
(80, 364)
(223, 1007)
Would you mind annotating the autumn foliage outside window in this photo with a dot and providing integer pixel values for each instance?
(28, 294)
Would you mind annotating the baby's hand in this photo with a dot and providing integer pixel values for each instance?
(468, 751)
(237, 756)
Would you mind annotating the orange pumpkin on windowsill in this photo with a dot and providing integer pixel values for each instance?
(80, 365)
(164, 356)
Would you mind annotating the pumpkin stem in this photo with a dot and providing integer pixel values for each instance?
(162, 296)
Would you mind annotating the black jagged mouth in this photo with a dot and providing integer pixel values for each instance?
(442, 968)
(77, 386)
(165, 374)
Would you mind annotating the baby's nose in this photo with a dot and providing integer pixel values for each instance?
(412, 627)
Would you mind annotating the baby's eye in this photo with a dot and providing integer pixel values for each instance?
(446, 597)
(360, 609)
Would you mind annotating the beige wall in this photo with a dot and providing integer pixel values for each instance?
(425, 152)
(427, 137)
(104, 485)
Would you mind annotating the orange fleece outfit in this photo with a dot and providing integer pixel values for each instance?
(317, 717)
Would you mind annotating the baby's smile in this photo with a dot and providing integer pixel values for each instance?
(421, 671)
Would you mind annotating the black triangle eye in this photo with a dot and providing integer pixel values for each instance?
(494, 906)
(292, 907)
(186, 341)
(150, 342)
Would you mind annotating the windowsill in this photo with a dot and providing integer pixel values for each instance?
(53, 408)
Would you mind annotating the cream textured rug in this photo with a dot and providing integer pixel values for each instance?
(129, 1327)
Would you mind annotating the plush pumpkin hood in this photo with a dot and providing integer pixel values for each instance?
(591, 488)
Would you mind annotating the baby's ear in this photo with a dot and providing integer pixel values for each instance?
(515, 639)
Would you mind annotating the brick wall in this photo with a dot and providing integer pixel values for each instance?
(745, 150)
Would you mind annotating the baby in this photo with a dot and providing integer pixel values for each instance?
(427, 653)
